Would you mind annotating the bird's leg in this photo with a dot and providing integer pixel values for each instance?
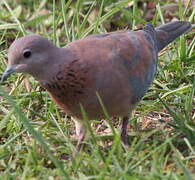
(124, 135)
(80, 132)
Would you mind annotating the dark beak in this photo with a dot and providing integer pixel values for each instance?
(10, 70)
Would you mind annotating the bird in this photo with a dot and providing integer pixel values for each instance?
(119, 67)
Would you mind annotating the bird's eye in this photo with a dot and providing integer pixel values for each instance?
(27, 53)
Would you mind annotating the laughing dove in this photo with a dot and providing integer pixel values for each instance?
(119, 66)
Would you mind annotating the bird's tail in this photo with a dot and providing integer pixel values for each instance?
(167, 33)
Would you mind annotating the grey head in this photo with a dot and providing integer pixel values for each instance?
(29, 54)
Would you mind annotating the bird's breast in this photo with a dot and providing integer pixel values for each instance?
(68, 86)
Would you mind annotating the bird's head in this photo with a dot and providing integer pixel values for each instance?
(28, 54)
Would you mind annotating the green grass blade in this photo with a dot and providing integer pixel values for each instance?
(35, 134)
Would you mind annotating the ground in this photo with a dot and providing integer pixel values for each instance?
(35, 135)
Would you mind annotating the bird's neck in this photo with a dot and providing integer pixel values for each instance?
(57, 62)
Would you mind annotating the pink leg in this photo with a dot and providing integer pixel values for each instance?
(80, 132)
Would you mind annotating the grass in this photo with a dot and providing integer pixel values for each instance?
(35, 134)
